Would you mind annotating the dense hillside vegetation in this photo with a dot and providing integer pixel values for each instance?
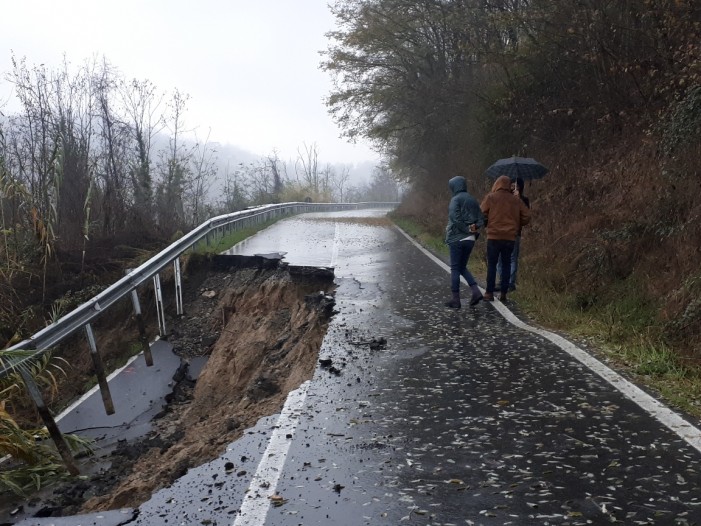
(607, 94)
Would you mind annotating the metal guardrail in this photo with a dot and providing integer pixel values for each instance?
(93, 308)
(82, 316)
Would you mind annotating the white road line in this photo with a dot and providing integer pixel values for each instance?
(659, 411)
(256, 502)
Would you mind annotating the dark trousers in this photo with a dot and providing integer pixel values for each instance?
(499, 249)
(459, 255)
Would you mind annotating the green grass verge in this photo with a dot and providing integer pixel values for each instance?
(433, 243)
(228, 241)
(623, 326)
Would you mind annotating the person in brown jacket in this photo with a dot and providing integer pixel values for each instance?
(506, 214)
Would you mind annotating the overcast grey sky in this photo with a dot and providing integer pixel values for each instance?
(251, 67)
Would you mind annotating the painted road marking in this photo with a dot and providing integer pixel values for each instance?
(256, 502)
(655, 408)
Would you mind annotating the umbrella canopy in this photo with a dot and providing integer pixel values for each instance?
(524, 167)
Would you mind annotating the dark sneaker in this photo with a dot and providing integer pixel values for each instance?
(488, 296)
(502, 296)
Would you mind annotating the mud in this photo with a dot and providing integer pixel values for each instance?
(260, 323)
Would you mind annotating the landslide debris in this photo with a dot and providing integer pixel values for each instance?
(260, 322)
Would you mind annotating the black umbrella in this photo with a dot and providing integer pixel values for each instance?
(524, 167)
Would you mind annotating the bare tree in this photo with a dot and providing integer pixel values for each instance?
(307, 166)
(73, 109)
(114, 138)
(142, 103)
(33, 138)
(340, 179)
(203, 170)
(234, 192)
(261, 181)
(174, 168)
(279, 173)
(326, 176)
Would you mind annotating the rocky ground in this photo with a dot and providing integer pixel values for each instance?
(261, 325)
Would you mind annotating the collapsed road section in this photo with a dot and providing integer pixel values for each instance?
(253, 325)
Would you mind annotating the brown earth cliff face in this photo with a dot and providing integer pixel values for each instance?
(269, 326)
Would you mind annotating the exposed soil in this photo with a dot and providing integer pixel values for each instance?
(261, 323)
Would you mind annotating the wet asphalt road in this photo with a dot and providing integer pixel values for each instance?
(460, 418)
(140, 392)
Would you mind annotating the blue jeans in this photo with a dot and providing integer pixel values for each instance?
(498, 249)
(459, 254)
(514, 263)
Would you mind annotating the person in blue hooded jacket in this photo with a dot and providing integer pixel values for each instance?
(464, 221)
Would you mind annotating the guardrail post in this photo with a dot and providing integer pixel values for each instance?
(49, 422)
(143, 337)
(159, 305)
(99, 371)
(178, 288)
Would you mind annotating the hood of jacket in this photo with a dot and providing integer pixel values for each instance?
(503, 182)
(458, 184)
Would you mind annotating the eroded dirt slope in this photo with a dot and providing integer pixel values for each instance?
(262, 325)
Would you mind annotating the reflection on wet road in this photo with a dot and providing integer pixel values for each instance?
(305, 240)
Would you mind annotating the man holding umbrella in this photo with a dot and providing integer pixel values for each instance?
(517, 189)
(505, 215)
